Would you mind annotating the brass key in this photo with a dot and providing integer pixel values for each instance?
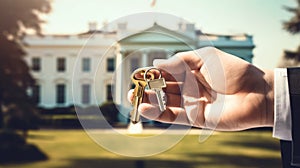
(138, 93)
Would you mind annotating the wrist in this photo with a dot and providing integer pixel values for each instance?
(269, 98)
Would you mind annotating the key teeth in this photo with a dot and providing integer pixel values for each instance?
(164, 98)
(164, 95)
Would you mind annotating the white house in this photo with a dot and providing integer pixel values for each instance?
(88, 62)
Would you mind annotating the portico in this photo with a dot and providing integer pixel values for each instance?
(139, 50)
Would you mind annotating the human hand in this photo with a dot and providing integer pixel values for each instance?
(210, 88)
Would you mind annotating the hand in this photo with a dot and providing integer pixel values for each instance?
(210, 88)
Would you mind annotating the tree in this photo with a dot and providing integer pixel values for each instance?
(292, 58)
(17, 17)
(293, 25)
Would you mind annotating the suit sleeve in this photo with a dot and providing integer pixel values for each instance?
(294, 92)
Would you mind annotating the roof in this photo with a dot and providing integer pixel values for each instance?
(157, 29)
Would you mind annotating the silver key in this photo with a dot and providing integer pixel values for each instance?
(157, 85)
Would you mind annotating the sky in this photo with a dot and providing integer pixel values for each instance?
(261, 18)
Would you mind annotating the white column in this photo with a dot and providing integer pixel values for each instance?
(144, 58)
(119, 67)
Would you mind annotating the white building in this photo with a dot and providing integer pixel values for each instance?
(53, 59)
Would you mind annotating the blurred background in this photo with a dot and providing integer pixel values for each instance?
(41, 43)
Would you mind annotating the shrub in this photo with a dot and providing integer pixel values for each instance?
(110, 112)
(57, 110)
(22, 117)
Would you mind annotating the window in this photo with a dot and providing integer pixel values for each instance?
(86, 93)
(110, 64)
(86, 64)
(36, 93)
(60, 93)
(36, 64)
(61, 64)
(109, 96)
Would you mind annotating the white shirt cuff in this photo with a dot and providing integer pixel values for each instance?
(282, 111)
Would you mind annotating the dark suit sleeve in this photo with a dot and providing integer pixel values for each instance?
(294, 90)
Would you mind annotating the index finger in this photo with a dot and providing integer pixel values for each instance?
(169, 76)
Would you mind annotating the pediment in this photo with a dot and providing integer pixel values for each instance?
(158, 35)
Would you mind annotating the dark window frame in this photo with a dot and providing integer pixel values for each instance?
(86, 94)
(36, 64)
(61, 64)
(60, 93)
(110, 67)
(109, 93)
(86, 65)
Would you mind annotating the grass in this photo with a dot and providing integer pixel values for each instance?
(74, 148)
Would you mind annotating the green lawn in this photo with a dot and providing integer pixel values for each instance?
(73, 148)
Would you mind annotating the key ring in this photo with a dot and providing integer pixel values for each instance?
(148, 70)
(142, 71)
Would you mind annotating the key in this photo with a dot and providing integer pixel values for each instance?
(138, 93)
(137, 100)
(157, 85)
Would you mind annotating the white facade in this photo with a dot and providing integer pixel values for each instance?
(60, 62)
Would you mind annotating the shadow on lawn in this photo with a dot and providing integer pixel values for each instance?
(253, 142)
(273, 146)
(234, 160)
(128, 163)
(211, 161)
(15, 149)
